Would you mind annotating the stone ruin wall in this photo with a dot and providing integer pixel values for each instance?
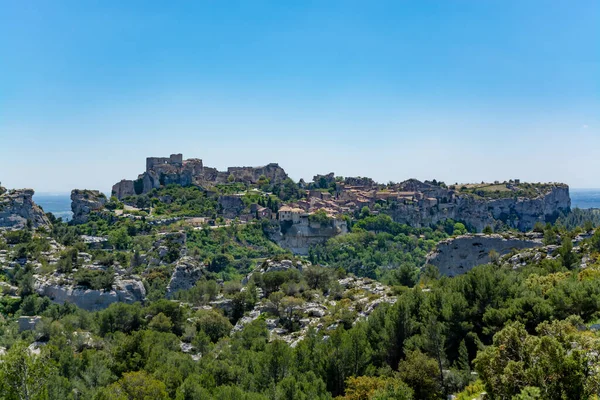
(173, 159)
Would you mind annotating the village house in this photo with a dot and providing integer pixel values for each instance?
(264, 213)
(295, 215)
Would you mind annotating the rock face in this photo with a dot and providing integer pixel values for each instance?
(84, 202)
(458, 255)
(161, 171)
(298, 238)
(231, 206)
(123, 290)
(184, 277)
(17, 208)
(123, 189)
(273, 172)
(519, 213)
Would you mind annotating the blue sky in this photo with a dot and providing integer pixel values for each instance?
(449, 89)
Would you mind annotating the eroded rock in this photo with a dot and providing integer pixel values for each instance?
(458, 255)
(17, 209)
(84, 202)
(123, 290)
(185, 275)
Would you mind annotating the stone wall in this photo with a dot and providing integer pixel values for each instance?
(173, 159)
(458, 255)
(123, 189)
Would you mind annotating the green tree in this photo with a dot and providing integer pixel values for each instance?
(459, 229)
(569, 259)
(422, 374)
(137, 385)
(24, 375)
(517, 363)
(161, 323)
(213, 324)
(119, 238)
(356, 350)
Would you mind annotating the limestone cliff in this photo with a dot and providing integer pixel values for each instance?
(458, 255)
(17, 208)
(123, 290)
(84, 202)
(478, 212)
(298, 238)
(231, 206)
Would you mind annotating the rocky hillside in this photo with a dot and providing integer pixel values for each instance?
(17, 209)
(345, 301)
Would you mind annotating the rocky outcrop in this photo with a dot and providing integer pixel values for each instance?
(84, 202)
(275, 266)
(478, 212)
(185, 275)
(231, 206)
(123, 290)
(298, 238)
(361, 297)
(273, 172)
(162, 171)
(17, 209)
(458, 255)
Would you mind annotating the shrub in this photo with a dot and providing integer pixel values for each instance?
(94, 279)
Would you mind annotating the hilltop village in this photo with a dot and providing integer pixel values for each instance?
(511, 203)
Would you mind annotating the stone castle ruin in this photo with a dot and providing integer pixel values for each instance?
(162, 171)
(173, 159)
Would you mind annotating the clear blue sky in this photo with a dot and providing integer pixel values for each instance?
(455, 90)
